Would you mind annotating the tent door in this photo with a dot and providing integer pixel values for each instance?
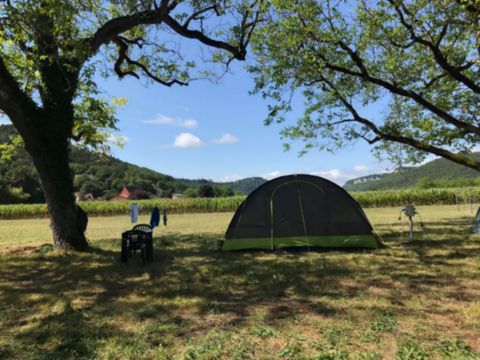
(289, 220)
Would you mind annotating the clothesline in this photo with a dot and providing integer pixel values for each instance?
(154, 217)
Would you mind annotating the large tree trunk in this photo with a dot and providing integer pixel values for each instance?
(50, 156)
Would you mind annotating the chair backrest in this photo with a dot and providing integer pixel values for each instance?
(133, 234)
(142, 227)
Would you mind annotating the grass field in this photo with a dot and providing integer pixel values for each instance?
(407, 301)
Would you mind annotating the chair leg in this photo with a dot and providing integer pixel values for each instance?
(149, 250)
(124, 253)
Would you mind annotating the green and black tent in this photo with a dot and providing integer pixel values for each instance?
(299, 211)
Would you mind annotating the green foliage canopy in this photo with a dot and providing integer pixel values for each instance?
(416, 60)
(54, 50)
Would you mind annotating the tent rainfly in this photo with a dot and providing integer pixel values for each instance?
(299, 211)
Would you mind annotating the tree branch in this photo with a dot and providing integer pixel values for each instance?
(381, 135)
(160, 14)
(111, 32)
(120, 24)
(196, 15)
(238, 52)
(395, 89)
(434, 47)
(472, 6)
(14, 102)
(123, 56)
(364, 137)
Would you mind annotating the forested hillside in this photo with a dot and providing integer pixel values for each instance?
(436, 173)
(100, 175)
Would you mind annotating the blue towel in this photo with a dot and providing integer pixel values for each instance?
(155, 218)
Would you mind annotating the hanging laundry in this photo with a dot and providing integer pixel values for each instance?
(134, 213)
(165, 217)
(155, 217)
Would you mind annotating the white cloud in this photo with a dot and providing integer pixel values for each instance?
(230, 178)
(186, 140)
(226, 139)
(160, 119)
(271, 175)
(339, 177)
(333, 174)
(360, 168)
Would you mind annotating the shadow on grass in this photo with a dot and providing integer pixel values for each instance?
(62, 306)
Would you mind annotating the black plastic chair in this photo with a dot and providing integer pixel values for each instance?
(143, 227)
(133, 240)
(148, 230)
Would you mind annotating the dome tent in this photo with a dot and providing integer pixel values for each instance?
(299, 211)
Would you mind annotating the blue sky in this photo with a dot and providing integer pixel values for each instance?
(215, 131)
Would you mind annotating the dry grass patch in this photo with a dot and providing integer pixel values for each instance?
(407, 301)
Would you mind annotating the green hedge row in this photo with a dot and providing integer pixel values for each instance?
(386, 198)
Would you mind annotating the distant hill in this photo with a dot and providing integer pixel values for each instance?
(101, 175)
(242, 186)
(247, 185)
(439, 171)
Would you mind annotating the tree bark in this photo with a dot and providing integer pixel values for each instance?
(50, 156)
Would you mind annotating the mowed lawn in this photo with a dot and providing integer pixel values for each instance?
(407, 301)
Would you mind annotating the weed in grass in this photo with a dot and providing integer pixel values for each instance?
(335, 335)
(411, 351)
(160, 333)
(367, 356)
(384, 323)
(162, 353)
(251, 278)
(328, 346)
(291, 351)
(457, 349)
(133, 346)
(262, 331)
(331, 353)
(212, 346)
(242, 351)
(369, 336)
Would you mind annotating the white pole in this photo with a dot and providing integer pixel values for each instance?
(410, 221)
